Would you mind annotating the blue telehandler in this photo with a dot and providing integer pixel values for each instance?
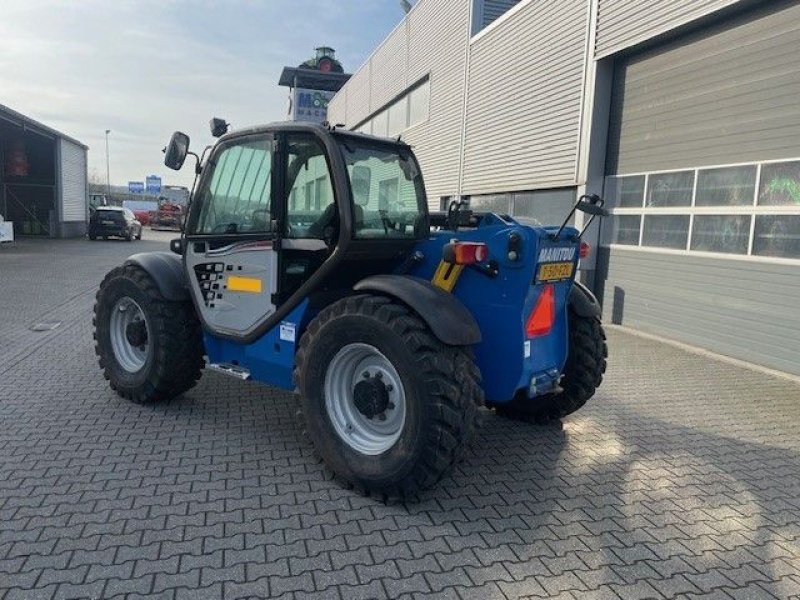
(309, 261)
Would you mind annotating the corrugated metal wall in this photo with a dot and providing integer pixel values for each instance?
(623, 23)
(73, 181)
(493, 9)
(432, 40)
(523, 110)
(728, 94)
(742, 309)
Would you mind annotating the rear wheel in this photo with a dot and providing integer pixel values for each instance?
(149, 348)
(388, 407)
(583, 374)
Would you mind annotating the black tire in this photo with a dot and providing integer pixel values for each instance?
(92, 237)
(442, 390)
(128, 236)
(174, 361)
(583, 374)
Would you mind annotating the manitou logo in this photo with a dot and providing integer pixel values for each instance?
(557, 254)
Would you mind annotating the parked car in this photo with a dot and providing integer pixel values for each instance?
(108, 221)
(143, 216)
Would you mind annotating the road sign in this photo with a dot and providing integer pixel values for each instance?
(153, 184)
(136, 187)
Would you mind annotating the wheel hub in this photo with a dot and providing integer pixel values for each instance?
(136, 333)
(371, 397)
(365, 399)
(127, 327)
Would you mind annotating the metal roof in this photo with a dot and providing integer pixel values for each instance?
(15, 118)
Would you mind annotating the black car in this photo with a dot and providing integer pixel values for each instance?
(107, 221)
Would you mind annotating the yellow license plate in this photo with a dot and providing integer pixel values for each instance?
(555, 271)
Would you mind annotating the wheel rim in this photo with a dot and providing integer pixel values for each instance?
(363, 368)
(126, 325)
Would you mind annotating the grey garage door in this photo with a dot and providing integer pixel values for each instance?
(703, 168)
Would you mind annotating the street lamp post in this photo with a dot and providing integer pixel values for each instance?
(108, 170)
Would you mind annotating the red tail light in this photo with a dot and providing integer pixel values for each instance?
(541, 320)
(585, 249)
(465, 253)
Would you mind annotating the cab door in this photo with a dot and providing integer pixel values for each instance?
(230, 249)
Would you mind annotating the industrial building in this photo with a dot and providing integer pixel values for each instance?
(43, 179)
(682, 113)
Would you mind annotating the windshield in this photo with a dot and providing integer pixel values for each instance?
(388, 194)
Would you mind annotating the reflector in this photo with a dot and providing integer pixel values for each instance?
(541, 320)
(585, 249)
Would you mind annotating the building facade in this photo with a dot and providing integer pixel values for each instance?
(43, 179)
(681, 113)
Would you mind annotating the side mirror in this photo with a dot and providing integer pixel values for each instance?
(592, 209)
(176, 245)
(177, 150)
(218, 127)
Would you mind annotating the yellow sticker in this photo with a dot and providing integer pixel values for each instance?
(446, 276)
(244, 284)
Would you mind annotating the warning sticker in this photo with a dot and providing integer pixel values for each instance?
(288, 332)
(527, 349)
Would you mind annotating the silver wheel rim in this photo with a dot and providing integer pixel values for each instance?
(352, 364)
(126, 312)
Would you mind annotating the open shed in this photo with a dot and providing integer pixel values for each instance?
(43, 178)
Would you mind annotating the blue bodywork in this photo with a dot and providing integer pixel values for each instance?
(511, 364)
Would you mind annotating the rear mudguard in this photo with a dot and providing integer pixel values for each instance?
(583, 302)
(448, 318)
(166, 270)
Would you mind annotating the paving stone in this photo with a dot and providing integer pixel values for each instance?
(670, 483)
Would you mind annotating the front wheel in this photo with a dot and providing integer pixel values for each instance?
(149, 348)
(388, 407)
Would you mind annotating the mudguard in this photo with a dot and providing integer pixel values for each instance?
(583, 302)
(448, 318)
(166, 269)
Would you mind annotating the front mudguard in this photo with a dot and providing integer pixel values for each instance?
(166, 270)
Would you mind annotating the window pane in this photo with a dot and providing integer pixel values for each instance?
(666, 231)
(721, 233)
(496, 203)
(545, 207)
(309, 179)
(733, 186)
(626, 230)
(418, 101)
(388, 195)
(626, 192)
(777, 235)
(670, 189)
(237, 198)
(398, 116)
(780, 184)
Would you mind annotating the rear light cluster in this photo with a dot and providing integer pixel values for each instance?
(585, 249)
(540, 321)
(465, 253)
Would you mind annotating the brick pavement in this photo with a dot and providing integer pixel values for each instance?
(680, 479)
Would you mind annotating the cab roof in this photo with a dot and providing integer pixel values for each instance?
(319, 129)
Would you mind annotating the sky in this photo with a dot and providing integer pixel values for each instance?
(144, 68)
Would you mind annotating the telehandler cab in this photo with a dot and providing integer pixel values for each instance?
(309, 261)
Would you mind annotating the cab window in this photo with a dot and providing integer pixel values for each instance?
(311, 210)
(388, 195)
(237, 197)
